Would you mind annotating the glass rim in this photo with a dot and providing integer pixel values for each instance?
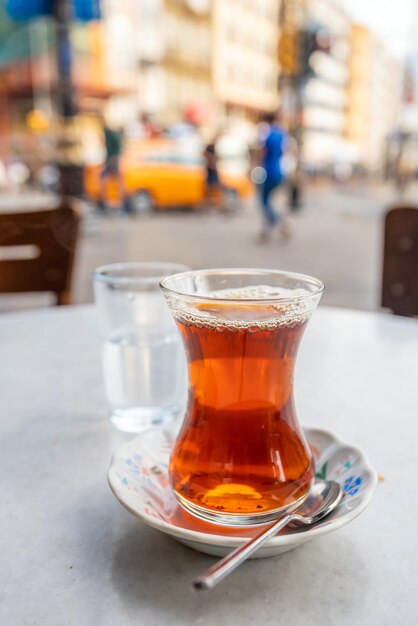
(103, 272)
(254, 271)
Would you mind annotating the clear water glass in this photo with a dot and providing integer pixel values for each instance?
(143, 362)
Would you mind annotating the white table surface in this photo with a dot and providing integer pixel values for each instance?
(71, 555)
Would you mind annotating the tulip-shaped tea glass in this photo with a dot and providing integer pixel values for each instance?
(241, 456)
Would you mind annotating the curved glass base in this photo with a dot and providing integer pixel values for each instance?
(232, 519)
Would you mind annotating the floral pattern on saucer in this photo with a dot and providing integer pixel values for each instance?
(138, 476)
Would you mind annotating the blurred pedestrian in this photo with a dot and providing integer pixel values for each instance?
(272, 151)
(291, 166)
(113, 140)
(214, 190)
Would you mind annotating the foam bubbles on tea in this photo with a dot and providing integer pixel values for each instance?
(257, 292)
(267, 308)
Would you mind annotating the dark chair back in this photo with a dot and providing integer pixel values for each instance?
(53, 233)
(400, 261)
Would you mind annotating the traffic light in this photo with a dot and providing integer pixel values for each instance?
(311, 41)
(289, 52)
(307, 48)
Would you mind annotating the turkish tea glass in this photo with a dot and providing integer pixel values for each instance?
(240, 456)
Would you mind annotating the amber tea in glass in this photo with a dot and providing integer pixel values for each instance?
(241, 456)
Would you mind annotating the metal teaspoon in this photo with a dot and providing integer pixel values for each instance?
(323, 498)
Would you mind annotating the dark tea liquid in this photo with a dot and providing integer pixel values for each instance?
(240, 451)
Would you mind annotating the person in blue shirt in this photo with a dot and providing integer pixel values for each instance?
(273, 148)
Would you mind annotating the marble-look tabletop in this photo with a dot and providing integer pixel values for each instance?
(71, 555)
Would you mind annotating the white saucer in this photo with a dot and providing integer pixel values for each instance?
(138, 478)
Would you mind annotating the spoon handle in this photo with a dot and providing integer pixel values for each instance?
(225, 566)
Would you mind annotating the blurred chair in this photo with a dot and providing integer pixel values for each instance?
(48, 238)
(400, 261)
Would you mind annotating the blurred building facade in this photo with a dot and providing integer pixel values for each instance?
(325, 94)
(151, 92)
(338, 83)
(245, 60)
(358, 88)
(112, 44)
(187, 57)
(174, 59)
(374, 97)
(207, 59)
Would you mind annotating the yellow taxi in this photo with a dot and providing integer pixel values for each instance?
(157, 175)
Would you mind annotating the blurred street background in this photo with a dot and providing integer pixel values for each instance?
(131, 105)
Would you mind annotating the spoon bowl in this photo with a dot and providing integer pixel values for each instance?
(323, 498)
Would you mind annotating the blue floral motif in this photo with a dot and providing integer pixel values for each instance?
(352, 485)
(132, 467)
